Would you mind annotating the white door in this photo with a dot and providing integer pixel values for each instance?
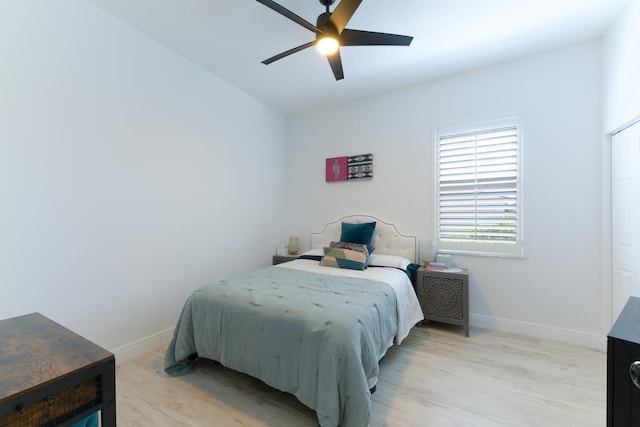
(625, 216)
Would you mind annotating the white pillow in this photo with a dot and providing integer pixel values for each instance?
(380, 260)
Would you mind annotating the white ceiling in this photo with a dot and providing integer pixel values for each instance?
(230, 38)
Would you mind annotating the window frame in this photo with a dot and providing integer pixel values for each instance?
(494, 249)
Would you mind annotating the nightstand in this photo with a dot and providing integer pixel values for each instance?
(51, 376)
(279, 259)
(444, 296)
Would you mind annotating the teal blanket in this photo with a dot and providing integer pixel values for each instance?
(316, 336)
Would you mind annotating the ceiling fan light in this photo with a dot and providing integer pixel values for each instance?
(327, 45)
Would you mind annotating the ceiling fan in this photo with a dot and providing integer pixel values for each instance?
(331, 33)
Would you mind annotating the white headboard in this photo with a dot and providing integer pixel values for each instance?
(387, 239)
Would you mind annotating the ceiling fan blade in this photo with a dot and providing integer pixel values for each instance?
(369, 38)
(343, 13)
(288, 52)
(288, 14)
(336, 65)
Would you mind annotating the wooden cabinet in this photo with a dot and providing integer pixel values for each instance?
(50, 376)
(444, 296)
(623, 368)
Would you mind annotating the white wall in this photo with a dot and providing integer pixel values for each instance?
(128, 176)
(556, 291)
(621, 68)
(621, 107)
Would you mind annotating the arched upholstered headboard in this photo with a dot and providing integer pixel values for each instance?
(387, 239)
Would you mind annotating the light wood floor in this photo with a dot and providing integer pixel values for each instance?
(436, 378)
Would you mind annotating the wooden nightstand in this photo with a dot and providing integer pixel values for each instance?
(50, 376)
(279, 259)
(444, 296)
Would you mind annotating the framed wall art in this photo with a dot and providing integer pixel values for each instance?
(349, 168)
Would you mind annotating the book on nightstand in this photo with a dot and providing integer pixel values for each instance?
(436, 266)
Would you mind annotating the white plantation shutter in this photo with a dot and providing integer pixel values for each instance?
(478, 178)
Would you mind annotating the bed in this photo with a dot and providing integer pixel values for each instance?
(316, 327)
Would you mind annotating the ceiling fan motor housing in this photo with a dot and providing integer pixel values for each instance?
(325, 25)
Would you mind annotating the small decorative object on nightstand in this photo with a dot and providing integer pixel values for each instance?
(444, 296)
(294, 246)
(279, 259)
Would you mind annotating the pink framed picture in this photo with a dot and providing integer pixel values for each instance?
(349, 168)
(337, 169)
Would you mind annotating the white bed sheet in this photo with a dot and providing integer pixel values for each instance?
(408, 306)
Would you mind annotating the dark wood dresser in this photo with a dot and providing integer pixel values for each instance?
(623, 368)
(51, 376)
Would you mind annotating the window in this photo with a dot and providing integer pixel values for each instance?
(478, 189)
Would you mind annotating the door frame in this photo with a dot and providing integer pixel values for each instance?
(607, 223)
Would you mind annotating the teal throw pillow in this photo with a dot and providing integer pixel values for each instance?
(358, 233)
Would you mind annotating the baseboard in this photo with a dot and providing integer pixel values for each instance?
(593, 341)
(584, 339)
(143, 345)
